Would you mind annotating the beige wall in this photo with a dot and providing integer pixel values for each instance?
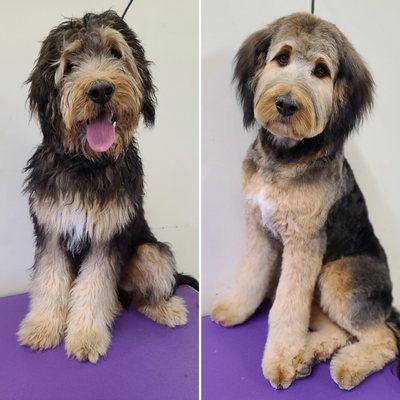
(372, 26)
(169, 150)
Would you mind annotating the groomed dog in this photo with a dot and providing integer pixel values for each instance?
(310, 244)
(90, 85)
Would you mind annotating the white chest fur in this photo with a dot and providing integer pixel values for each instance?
(267, 209)
(79, 220)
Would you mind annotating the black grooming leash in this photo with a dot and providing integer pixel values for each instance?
(312, 7)
(126, 9)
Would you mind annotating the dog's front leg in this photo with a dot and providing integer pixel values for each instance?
(44, 325)
(93, 306)
(255, 277)
(290, 314)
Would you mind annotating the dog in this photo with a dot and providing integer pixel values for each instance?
(94, 249)
(310, 246)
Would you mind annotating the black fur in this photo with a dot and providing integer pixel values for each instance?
(349, 231)
(55, 173)
(348, 228)
(183, 279)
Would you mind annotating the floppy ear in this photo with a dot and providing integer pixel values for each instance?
(249, 59)
(42, 94)
(353, 90)
(149, 98)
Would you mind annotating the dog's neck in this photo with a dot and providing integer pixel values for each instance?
(285, 159)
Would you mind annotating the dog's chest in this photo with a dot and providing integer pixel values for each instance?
(268, 208)
(77, 220)
(289, 210)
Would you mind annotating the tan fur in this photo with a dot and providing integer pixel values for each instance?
(376, 344)
(93, 306)
(256, 273)
(293, 209)
(77, 109)
(323, 342)
(44, 325)
(171, 312)
(149, 271)
(292, 193)
(313, 95)
(376, 347)
(334, 291)
(303, 121)
(72, 214)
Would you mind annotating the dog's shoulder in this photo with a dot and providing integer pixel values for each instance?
(289, 196)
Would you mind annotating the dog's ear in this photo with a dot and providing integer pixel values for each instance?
(42, 93)
(353, 90)
(249, 59)
(149, 97)
(112, 19)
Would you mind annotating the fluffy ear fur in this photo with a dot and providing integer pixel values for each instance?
(251, 57)
(43, 94)
(353, 90)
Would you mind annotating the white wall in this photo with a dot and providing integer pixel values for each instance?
(374, 30)
(169, 32)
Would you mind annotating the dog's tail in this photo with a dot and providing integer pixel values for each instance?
(393, 322)
(183, 279)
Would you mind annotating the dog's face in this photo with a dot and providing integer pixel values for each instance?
(300, 76)
(90, 85)
(294, 90)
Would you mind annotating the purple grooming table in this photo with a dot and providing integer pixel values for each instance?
(231, 369)
(146, 361)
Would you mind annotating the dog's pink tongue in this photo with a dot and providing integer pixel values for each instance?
(100, 133)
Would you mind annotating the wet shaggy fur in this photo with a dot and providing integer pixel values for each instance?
(308, 237)
(94, 248)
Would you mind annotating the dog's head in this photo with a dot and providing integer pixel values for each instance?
(301, 77)
(90, 85)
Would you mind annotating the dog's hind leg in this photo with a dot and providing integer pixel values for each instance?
(170, 312)
(325, 339)
(44, 325)
(149, 279)
(356, 294)
(255, 278)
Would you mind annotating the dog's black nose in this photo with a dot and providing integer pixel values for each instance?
(100, 92)
(286, 106)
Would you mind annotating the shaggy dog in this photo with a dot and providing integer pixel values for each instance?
(310, 244)
(90, 85)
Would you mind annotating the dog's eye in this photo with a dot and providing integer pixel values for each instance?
(116, 53)
(321, 71)
(282, 59)
(68, 68)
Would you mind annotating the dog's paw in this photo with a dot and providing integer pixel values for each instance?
(228, 312)
(40, 333)
(171, 312)
(280, 370)
(320, 346)
(346, 371)
(87, 345)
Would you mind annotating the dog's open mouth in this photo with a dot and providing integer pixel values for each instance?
(100, 132)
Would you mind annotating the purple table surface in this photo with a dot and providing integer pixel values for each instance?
(146, 361)
(231, 369)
